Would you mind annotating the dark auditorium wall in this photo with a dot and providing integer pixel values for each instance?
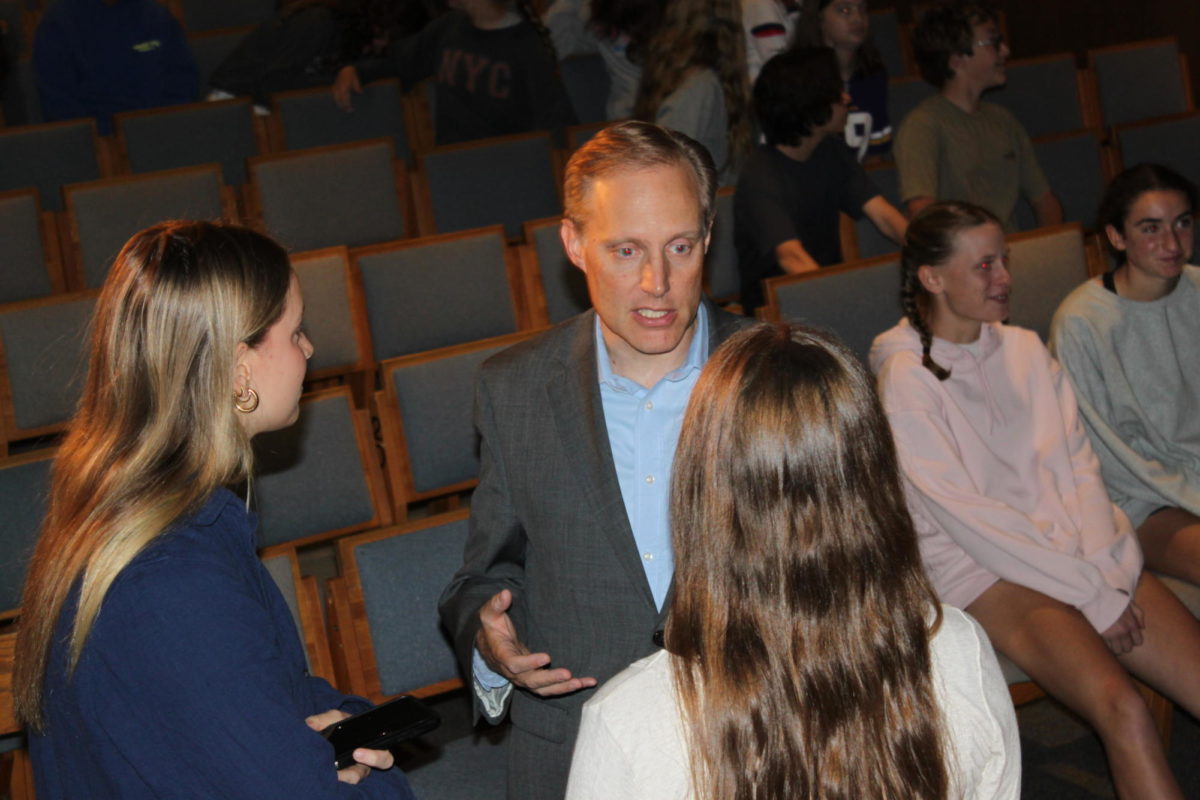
(1038, 27)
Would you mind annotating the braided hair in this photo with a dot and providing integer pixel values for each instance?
(526, 10)
(931, 239)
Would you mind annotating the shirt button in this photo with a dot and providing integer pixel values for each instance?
(649, 479)
(648, 556)
(649, 405)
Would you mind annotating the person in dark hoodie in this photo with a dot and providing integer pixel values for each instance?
(93, 58)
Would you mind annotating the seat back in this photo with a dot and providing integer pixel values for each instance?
(319, 478)
(506, 180)
(550, 275)
(1046, 264)
(24, 488)
(1170, 141)
(103, 214)
(325, 196)
(436, 291)
(1045, 94)
(586, 80)
(304, 602)
(905, 94)
(309, 118)
(721, 263)
(393, 579)
(341, 343)
(871, 242)
(1140, 80)
(857, 301)
(21, 103)
(887, 34)
(210, 48)
(43, 359)
(1074, 165)
(191, 134)
(23, 269)
(49, 156)
(426, 409)
(207, 15)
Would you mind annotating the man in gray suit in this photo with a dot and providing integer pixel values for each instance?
(568, 556)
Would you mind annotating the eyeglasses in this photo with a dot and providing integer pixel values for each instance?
(996, 41)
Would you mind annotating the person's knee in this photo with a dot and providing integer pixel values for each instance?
(1120, 708)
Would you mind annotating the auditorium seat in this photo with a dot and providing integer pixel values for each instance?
(1140, 80)
(29, 262)
(221, 132)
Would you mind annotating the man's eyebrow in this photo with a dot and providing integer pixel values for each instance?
(1144, 220)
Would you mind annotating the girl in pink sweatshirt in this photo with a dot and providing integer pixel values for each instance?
(1015, 524)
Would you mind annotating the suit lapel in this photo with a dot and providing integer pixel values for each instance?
(579, 419)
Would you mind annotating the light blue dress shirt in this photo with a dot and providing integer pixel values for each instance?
(643, 429)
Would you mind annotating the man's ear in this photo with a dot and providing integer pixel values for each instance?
(930, 278)
(572, 239)
(1114, 237)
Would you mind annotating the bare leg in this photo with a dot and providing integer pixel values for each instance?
(1057, 647)
(1171, 543)
(1169, 658)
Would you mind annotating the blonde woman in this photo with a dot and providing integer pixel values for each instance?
(155, 657)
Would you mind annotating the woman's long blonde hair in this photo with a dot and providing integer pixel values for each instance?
(705, 34)
(801, 618)
(156, 431)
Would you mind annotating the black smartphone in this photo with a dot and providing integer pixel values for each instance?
(380, 727)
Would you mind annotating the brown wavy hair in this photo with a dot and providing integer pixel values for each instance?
(156, 431)
(700, 34)
(930, 240)
(801, 618)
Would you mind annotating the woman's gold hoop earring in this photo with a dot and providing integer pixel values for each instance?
(245, 400)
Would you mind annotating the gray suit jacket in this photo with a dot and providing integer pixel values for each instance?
(548, 522)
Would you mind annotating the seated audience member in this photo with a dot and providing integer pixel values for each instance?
(1130, 343)
(1006, 494)
(954, 146)
(770, 27)
(792, 188)
(806, 655)
(493, 66)
(695, 83)
(93, 58)
(155, 655)
(616, 29)
(306, 43)
(845, 26)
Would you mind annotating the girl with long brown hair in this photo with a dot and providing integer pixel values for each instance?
(805, 654)
(1016, 526)
(156, 657)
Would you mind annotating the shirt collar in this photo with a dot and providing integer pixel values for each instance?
(696, 356)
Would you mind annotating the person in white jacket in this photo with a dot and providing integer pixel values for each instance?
(1016, 526)
(805, 655)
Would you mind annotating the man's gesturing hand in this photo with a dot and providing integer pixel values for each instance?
(504, 653)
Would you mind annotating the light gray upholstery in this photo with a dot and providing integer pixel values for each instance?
(280, 569)
(311, 119)
(905, 94)
(1074, 167)
(108, 212)
(1172, 142)
(23, 272)
(1140, 83)
(310, 476)
(184, 136)
(325, 197)
(48, 156)
(1044, 270)
(721, 263)
(207, 15)
(564, 284)
(437, 292)
(402, 577)
(492, 182)
(1043, 94)
(46, 359)
(885, 32)
(586, 80)
(436, 400)
(23, 490)
(857, 304)
(871, 242)
(328, 319)
(209, 50)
